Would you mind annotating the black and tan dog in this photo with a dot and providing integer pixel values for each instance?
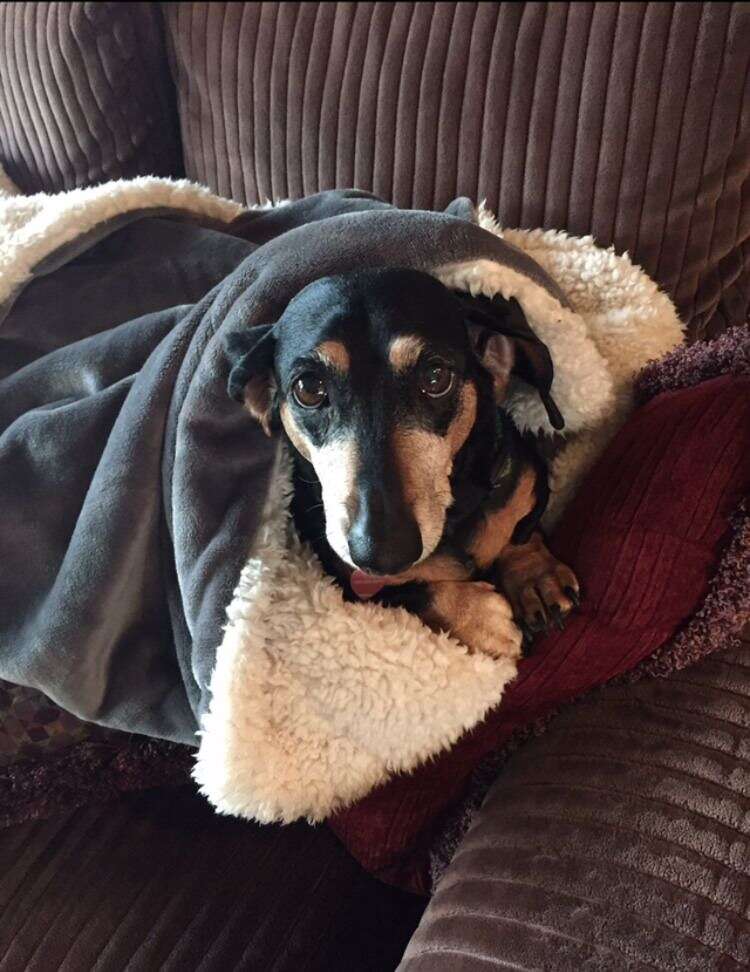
(410, 483)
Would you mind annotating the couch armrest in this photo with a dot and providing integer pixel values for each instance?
(620, 839)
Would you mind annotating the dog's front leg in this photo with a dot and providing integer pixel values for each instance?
(472, 612)
(541, 589)
(475, 614)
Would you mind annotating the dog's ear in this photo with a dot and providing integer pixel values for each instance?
(251, 379)
(504, 343)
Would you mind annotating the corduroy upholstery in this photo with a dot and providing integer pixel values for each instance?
(159, 881)
(628, 121)
(619, 841)
(85, 95)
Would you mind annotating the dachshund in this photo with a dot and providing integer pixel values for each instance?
(411, 482)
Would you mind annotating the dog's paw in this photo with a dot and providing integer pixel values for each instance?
(477, 616)
(543, 597)
(541, 589)
(544, 601)
(491, 628)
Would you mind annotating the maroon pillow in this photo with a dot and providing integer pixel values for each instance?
(643, 535)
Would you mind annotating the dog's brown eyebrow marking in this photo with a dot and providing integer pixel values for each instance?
(404, 351)
(333, 354)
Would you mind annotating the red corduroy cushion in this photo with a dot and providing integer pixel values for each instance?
(643, 535)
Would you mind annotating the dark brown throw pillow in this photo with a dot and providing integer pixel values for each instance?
(85, 95)
(628, 121)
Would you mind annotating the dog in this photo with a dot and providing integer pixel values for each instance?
(411, 483)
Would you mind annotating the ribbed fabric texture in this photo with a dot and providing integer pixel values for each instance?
(85, 94)
(159, 881)
(619, 841)
(628, 121)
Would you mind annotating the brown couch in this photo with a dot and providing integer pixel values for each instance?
(627, 121)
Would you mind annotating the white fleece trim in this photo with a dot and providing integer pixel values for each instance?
(33, 227)
(315, 701)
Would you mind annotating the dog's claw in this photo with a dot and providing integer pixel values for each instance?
(537, 623)
(572, 595)
(558, 618)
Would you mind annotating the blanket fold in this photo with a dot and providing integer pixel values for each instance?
(136, 493)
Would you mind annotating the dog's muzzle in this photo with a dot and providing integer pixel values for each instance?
(384, 537)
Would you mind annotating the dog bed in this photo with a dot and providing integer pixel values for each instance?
(152, 492)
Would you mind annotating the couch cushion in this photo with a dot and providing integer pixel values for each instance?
(628, 121)
(85, 94)
(619, 841)
(159, 881)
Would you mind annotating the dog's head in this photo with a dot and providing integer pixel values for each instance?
(376, 377)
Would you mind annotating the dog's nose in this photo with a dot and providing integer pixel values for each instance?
(384, 537)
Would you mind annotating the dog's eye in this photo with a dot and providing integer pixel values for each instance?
(435, 378)
(310, 391)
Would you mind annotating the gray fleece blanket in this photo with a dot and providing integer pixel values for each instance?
(131, 486)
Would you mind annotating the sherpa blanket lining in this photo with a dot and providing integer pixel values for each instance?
(165, 488)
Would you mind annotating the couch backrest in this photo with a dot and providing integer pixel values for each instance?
(629, 121)
(85, 94)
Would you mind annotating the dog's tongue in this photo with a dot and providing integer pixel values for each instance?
(367, 585)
